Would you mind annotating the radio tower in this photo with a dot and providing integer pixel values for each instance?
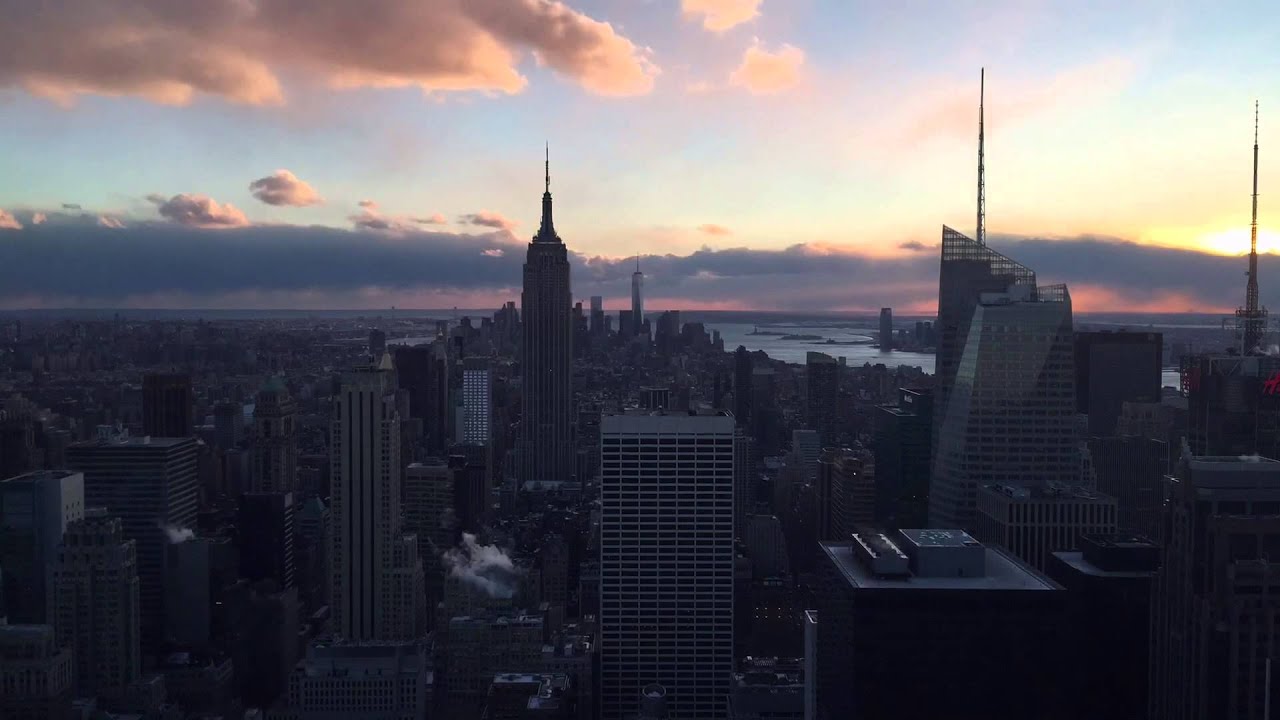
(981, 232)
(1252, 318)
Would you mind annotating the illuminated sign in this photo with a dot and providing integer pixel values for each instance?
(1272, 384)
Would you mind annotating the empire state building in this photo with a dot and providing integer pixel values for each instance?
(546, 354)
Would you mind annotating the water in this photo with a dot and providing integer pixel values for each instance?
(859, 352)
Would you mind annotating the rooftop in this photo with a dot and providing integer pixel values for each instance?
(939, 538)
(36, 476)
(134, 441)
(1002, 571)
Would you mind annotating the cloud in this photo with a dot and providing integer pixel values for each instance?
(915, 246)
(493, 252)
(484, 218)
(38, 218)
(764, 73)
(720, 15)
(70, 206)
(371, 217)
(108, 221)
(485, 567)
(368, 204)
(433, 219)
(8, 221)
(238, 50)
(713, 229)
(196, 210)
(284, 188)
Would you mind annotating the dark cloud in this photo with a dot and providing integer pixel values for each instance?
(484, 218)
(70, 206)
(915, 245)
(196, 210)
(284, 188)
(95, 266)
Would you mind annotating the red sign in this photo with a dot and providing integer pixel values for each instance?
(1272, 384)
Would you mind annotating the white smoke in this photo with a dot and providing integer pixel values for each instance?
(484, 567)
(1250, 458)
(177, 534)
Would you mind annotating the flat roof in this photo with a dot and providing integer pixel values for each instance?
(1002, 572)
(930, 537)
(134, 441)
(1076, 560)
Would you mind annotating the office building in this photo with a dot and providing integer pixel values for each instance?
(1114, 367)
(844, 494)
(597, 316)
(744, 477)
(19, 424)
(379, 681)
(423, 370)
(265, 535)
(150, 484)
(1031, 522)
(1213, 605)
(429, 506)
(767, 688)
(35, 510)
(1131, 469)
(168, 405)
(376, 582)
(822, 389)
(1108, 585)
(766, 417)
(228, 424)
(477, 399)
(475, 648)
(666, 557)
(311, 543)
(37, 673)
(1231, 408)
(530, 696)
(377, 343)
(275, 439)
(546, 359)
(901, 445)
(743, 367)
(95, 604)
(196, 571)
(919, 623)
(886, 329)
(1010, 416)
(637, 298)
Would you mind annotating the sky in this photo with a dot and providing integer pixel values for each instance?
(757, 154)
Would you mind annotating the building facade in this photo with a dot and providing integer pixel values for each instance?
(901, 443)
(666, 561)
(477, 401)
(168, 405)
(275, 439)
(822, 392)
(35, 509)
(1032, 522)
(37, 673)
(1114, 367)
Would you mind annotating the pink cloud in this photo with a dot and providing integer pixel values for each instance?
(371, 217)
(108, 221)
(720, 15)
(8, 221)
(433, 219)
(713, 229)
(198, 211)
(284, 188)
(38, 218)
(493, 252)
(171, 51)
(484, 218)
(764, 73)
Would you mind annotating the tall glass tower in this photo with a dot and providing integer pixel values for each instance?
(546, 354)
(637, 298)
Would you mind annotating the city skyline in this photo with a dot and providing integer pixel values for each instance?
(754, 158)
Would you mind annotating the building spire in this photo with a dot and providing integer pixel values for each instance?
(547, 230)
(982, 187)
(1253, 317)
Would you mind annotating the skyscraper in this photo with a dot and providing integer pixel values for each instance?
(822, 388)
(167, 405)
(94, 606)
(377, 582)
(1112, 368)
(886, 329)
(637, 298)
(275, 448)
(35, 510)
(424, 370)
(901, 446)
(150, 484)
(742, 369)
(477, 413)
(547, 355)
(1214, 604)
(264, 525)
(666, 560)
(1010, 417)
(597, 315)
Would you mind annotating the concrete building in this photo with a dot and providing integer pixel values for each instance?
(666, 587)
(546, 361)
(275, 439)
(1010, 414)
(530, 696)
(474, 649)
(767, 688)
(35, 509)
(822, 391)
(168, 405)
(1112, 368)
(901, 446)
(150, 484)
(918, 623)
(377, 584)
(37, 673)
(1034, 521)
(370, 681)
(1108, 584)
(95, 604)
(1215, 602)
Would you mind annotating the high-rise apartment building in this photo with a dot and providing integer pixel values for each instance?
(95, 604)
(886, 329)
(1010, 415)
(1113, 368)
(377, 583)
(35, 510)
(150, 484)
(168, 405)
(666, 561)
(546, 304)
(1032, 522)
(1214, 603)
(477, 399)
(822, 389)
(275, 439)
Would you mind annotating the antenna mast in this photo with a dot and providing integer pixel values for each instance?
(982, 186)
(1252, 318)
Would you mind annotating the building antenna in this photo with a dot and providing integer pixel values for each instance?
(982, 186)
(548, 166)
(1252, 318)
